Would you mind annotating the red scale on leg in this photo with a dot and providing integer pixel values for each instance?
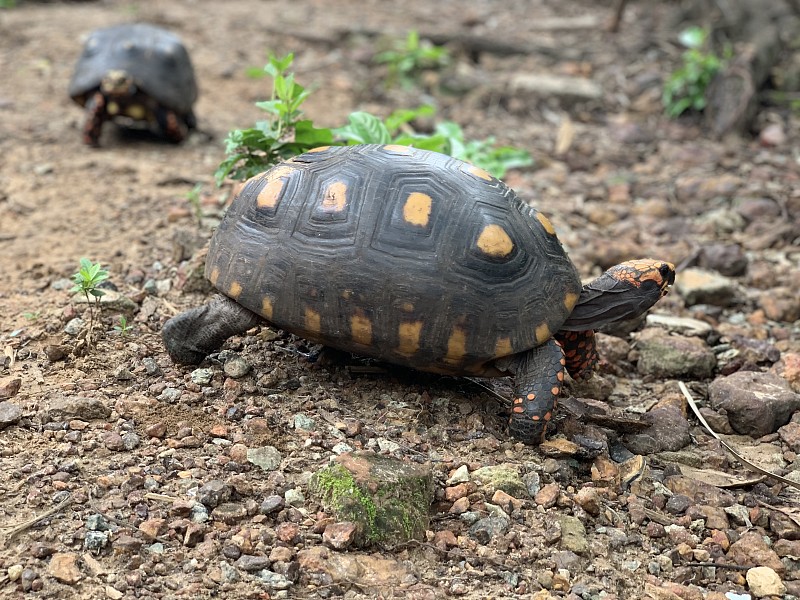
(580, 351)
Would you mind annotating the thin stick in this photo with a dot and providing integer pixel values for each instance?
(28, 524)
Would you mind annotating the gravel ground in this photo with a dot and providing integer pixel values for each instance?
(126, 476)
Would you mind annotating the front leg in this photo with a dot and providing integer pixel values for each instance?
(191, 336)
(95, 116)
(174, 128)
(538, 379)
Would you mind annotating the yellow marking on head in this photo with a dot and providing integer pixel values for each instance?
(478, 172)
(531, 396)
(494, 241)
(456, 346)
(347, 294)
(361, 328)
(235, 289)
(266, 308)
(570, 300)
(408, 334)
(335, 198)
(318, 149)
(548, 226)
(112, 108)
(503, 347)
(214, 276)
(136, 111)
(542, 333)
(417, 209)
(407, 307)
(398, 148)
(313, 321)
(555, 390)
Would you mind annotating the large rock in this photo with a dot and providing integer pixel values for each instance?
(698, 286)
(756, 404)
(664, 355)
(387, 499)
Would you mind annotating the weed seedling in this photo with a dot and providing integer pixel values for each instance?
(87, 280)
(123, 328)
(286, 134)
(193, 198)
(283, 135)
(410, 58)
(32, 316)
(686, 87)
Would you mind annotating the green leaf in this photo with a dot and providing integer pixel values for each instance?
(364, 128)
(312, 137)
(405, 115)
(693, 37)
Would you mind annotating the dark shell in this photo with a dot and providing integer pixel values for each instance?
(154, 57)
(405, 255)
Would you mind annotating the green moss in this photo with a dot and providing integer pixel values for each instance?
(338, 488)
(391, 507)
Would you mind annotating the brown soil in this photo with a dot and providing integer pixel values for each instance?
(611, 195)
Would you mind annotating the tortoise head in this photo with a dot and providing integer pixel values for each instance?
(622, 293)
(117, 82)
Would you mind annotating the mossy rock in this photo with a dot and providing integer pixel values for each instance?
(387, 499)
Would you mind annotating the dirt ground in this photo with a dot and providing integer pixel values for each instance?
(629, 183)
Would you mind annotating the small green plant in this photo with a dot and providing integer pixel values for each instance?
(193, 198)
(409, 58)
(87, 279)
(252, 151)
(33, 315)
(123, 328)
(448, 138)
(8, 3)
(283, 135)
(686, 87)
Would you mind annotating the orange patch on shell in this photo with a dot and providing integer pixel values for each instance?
(542, 333)
(398, 148)
(494, 241)
(361, 328)
(335, 198)
(417, 209)
(570, 300)
(548, 226)
(456, 346)
(408, 334)
(318, 149)
(275, 179)
(503, 347)
(234, 290)
(214, 276)
(266, 308)
(478, 172)
(313, 320)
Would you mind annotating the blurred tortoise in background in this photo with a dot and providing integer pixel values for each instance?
(137, 74)
(414, 258)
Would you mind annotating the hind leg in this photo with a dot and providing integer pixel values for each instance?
(191, 336)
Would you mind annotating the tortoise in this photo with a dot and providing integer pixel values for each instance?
(137, 72)
(413, 258)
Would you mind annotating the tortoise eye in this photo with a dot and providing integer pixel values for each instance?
(667, 273)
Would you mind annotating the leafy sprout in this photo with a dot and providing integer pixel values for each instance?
(685, 89)
(410, 58)
(87, 279)
(286, 133)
